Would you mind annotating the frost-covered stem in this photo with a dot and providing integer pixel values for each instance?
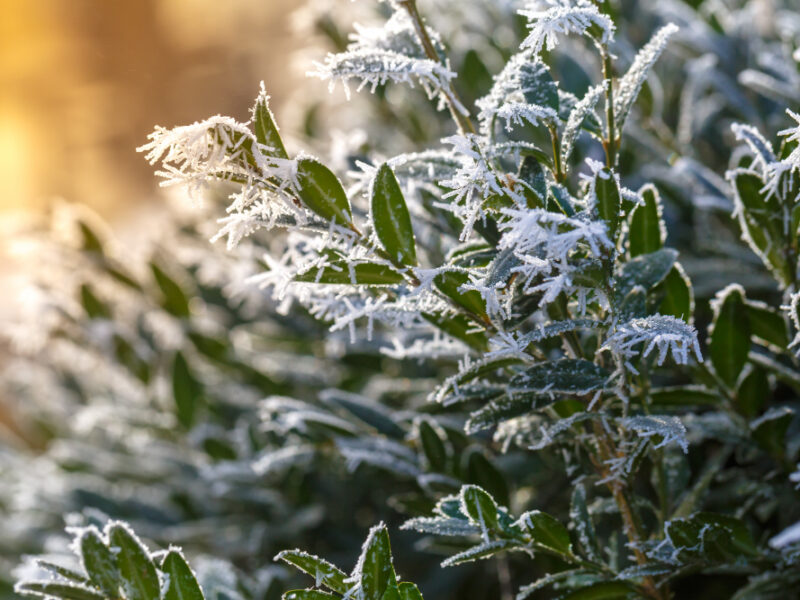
(558, 168)
(630, 522)
(610, 143)
(454, 103)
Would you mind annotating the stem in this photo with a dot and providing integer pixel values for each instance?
(451, 97)
(610, 143)
(558, 168)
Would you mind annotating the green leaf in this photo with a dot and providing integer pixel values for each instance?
(581, 522)
(647, 232)
(51, 589)
(92, 305)
(547, 531)
(767, 324)
(531, 176)
(537, 85)
(608, 200)
(769, 430)
(605, 590)
(433, 446)
(340, 273)
(308, 595)
(175, 301)
(678, 300)
(377, 571)
(99, 563)
(567, 375)
(459, 327)
(681, 396)
(322, 192)
(646, 270)
(182, 582)
(186, 390)
(391, 219)
(710, 537)
(409, 591)
(753, 392)
(265, 128)
(479, 506)
(448, 282)
(364, 409)
(326, 573)
(729, 342)
(138, 572)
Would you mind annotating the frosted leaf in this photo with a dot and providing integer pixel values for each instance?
(376, 56)
(381, 453)
(662, 332)
(514, 98)
(481, 551)
(274, 461)
(576, 117)
(631, 83)
(565, 17)
(444, 526)
(472, 183)
(545, 244)
(787, 537)
(760, 147)
(792, 134)
(670, 428)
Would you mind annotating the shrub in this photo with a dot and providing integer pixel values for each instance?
(526, 370)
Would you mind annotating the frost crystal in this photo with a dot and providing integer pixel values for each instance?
(564, 17)
(545, 242)
(671, 429)
(664, 332)
(631, 84)
(376, 56)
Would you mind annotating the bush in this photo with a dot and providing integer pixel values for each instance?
(519, 367)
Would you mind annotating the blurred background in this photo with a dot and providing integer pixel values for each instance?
(82, 83)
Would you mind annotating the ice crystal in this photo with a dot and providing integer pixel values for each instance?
(670, 429)
(662, 332)
(564, 16)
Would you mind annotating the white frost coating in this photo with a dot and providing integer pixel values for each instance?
(472, 183)
(787, 537)
(564, 16)
(544, 242)
(575, 119)
(670, 428)
(631, 83)
(662, 332)
(390, 53)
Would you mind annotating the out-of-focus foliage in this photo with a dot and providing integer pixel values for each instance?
(540, 308)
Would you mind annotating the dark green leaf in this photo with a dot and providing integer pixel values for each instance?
(186, 390)
(606, 590)
(308, 595)
(448, 283)
(678, 300)
(768, 324)
(547, 531)
(377, 571)
(433, 446)
(647, 232)
(100, 563)
(646, 270)
(265, 128)
(175, 301)
(391, 219)
(608, 200)
(339, 273)
(319, 568)
(483, 473)
(322, 192)
(730, 335)
(479, 506)
(135, 565)
(567, 375)
(182, 582)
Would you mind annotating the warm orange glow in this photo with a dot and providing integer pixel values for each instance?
(83, 82)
